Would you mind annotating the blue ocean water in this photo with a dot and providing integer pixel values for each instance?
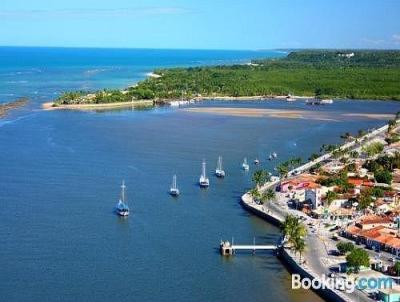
(43, 73)
(60, 173)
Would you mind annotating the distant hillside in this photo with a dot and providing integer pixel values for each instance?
(368, 58)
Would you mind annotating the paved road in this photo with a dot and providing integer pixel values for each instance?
(317, 256)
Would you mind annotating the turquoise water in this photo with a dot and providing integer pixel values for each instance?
(44, 73)
(59, 181)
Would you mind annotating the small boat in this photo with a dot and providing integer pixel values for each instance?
(256, 161)
(289, 98)
(122, 208)
(203, 181)
(274, 155)
(219, 172)
(326, 101)
(245, 165)
(270, 157)
(174, 191)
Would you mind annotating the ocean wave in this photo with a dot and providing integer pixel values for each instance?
(95, 71)
(17, 82)
(7, 122)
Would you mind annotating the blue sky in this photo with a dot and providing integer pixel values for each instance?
(201, 24)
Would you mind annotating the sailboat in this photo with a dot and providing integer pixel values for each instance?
(203, 181)
(245, 165)
(174, 191)
(270, 157)
(219, 172)
(122, 208)
(274, 155)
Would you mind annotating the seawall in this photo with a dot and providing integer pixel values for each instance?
(284, 255)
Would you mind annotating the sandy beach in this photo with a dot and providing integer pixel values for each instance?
(257, 112)
(375, 116)
(287, 113)
(105, 106)
(5, 108)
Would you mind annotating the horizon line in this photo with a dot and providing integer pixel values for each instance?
(202, 49)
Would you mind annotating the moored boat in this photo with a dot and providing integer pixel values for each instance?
(122, 208)
(219, 171)
(203, 181)
(245, 165)
(174, 191)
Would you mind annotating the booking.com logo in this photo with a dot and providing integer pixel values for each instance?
(342, 284)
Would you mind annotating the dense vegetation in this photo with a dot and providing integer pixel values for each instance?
(366, 75)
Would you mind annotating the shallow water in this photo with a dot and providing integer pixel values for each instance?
(60, 179)
(60, 173)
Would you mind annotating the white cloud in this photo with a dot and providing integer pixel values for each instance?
(390, 42)
(138, 11)
(396, 38)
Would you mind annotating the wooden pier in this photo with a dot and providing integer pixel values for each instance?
(227, 248)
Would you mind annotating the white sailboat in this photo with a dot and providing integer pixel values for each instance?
(219, 172)
(245, 165)
(174, 191)
(122, 208)
(270, 157)
(203, 181)
(274, 155)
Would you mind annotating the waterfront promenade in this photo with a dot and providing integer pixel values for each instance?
(316, 260)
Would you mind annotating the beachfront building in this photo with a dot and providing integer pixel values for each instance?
(313, 197)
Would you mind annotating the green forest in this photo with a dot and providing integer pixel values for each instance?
(342, 74)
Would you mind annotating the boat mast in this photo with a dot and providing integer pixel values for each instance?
(219, 166)
(123, 191)
(174, 182)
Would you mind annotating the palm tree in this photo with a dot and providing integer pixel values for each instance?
(313, 156)
(267, 196)
(299, 246)
(283, 170)
(260, 177)
(293, 229)
(391, 125)
(255, 194)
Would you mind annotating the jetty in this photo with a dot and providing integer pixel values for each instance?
(228, 249)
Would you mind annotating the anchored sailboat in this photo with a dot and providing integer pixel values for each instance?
(174, 191)
(245, 165)
(122, 208)
(203, 181)
(272, 156)
(219, 172)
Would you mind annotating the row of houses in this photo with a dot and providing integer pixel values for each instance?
(380, 233)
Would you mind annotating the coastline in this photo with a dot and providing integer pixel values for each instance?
(7, 107)
(275, 216)
(49, 106)
(285, 255)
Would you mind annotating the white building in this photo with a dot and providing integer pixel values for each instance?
(313, 196)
